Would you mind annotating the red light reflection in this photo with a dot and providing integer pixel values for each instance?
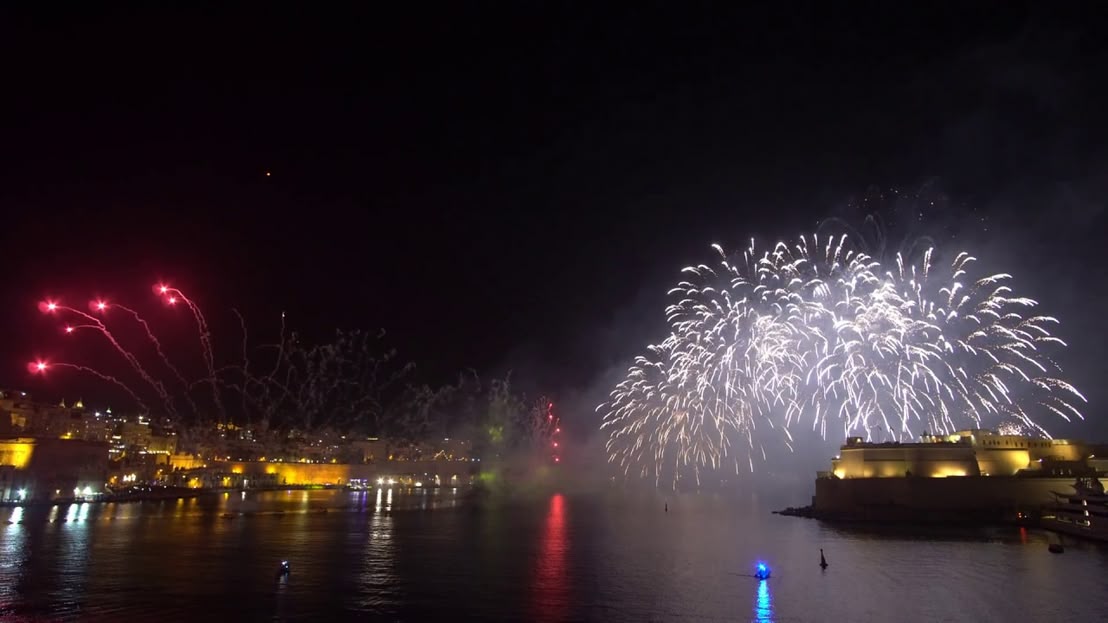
(550, 589)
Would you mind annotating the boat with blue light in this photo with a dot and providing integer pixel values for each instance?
(762, 571)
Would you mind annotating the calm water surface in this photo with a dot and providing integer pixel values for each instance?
(422, 555)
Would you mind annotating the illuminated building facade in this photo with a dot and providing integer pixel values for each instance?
(47, 468)
(975, 452)
(973, 474)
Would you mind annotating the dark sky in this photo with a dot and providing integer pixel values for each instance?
(515, 185)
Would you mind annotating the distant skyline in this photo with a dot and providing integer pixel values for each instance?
(516, 187)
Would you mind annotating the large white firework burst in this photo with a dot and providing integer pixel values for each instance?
(818, 334)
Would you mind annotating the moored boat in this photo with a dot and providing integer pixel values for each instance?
(1083, 513)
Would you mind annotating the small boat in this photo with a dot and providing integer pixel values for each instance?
(762, 572)
(1056, 548)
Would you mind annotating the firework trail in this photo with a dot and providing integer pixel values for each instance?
(341, 382)
(41, 367)
(269, 381)
(53, 307)
(158, 347)
(173, 296)
(817, 333)
(245, 358)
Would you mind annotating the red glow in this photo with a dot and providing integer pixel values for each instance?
(69, 329)
(557, 459)
(47, 306)
(101, 305)
(557, 430)
(37, 366)
(555, 444)
(161, 288)
(550, 587)
(172, 300)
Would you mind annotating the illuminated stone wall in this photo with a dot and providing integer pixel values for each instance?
(1002, 462)
(185, 461)
(16, 452)
(342, 474)
(897, 460)
(50, 468)
(968, 453)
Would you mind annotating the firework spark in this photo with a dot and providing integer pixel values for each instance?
(53, 307)
(338, 383)
(172, 297)
(820, 334)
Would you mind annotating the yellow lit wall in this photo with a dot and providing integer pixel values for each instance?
(16, 452)
(340, 474)
(980, 452)
(893, 461)
(1002, 462)
(1067, 450)
(185, 461)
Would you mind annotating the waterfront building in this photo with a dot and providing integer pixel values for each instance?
(269, 473)
(975, 452)
(46, 468)
(970, 474)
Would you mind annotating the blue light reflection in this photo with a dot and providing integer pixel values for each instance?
(763, 606)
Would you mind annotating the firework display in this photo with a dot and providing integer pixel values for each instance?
(327, 384)
(348, 382)
(817, 335)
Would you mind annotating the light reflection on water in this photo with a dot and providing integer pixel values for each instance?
(550, 594)
(763, 607)
(12, 557)
(544, 558)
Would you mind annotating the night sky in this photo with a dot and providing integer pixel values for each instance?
(516, 185)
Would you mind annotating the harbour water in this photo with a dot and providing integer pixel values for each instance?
(422, 555)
